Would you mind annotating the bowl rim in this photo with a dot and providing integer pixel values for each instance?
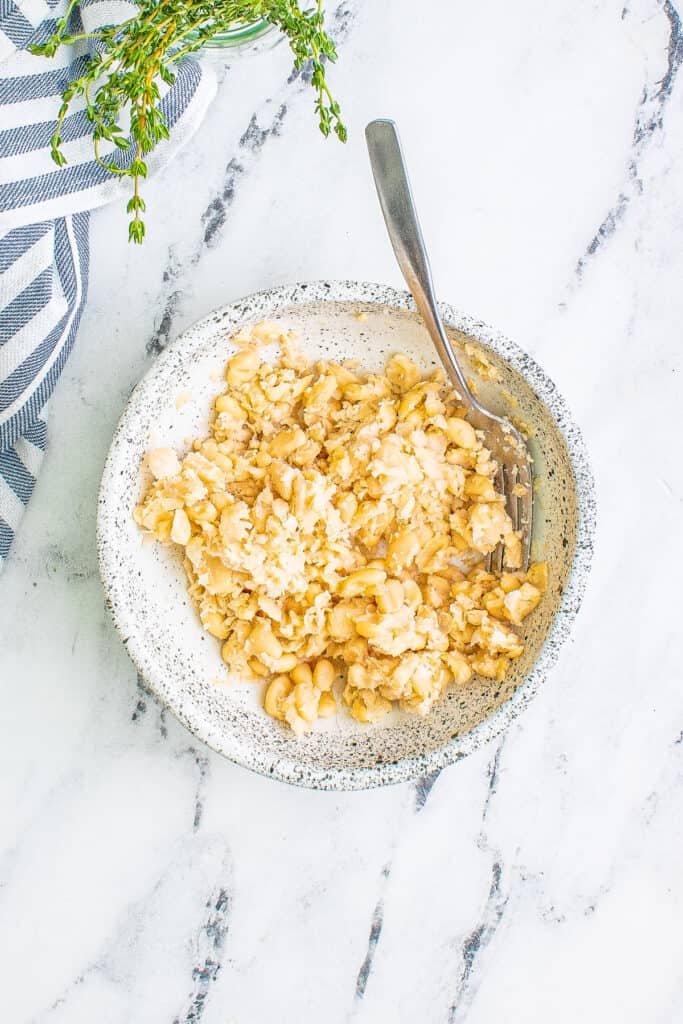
(288, 769)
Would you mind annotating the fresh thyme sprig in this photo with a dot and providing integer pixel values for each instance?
(130, 60)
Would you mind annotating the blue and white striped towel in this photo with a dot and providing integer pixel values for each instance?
(44, 222)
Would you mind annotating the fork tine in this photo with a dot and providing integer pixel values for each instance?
(512, 474)
(498, 558)
(497, 555)
(511, 478)
(506, 480)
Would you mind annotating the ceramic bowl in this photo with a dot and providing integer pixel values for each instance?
(145, 586)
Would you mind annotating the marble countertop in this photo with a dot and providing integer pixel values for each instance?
(145, 879)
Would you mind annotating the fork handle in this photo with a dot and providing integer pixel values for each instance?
(396, 199)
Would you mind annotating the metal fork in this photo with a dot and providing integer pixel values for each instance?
(514, 479)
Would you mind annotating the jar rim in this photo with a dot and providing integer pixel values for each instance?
(240, 34)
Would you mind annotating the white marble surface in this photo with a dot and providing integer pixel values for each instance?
(144, 879)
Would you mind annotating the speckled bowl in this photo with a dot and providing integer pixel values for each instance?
(145, 586)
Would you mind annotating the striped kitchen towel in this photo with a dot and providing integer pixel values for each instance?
(44, 221)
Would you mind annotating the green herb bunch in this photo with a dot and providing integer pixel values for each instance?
(130, 61)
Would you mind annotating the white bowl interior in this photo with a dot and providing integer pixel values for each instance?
(145, 582)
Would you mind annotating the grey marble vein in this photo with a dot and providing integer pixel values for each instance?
(211, 943)
(494, 907)
(250, 145)
(649, 121)
(202, 763)
(493, 772)
(376, 924)
(141, 703)
(146, 700)
(64, 996)
(477, 941)
(423, 788)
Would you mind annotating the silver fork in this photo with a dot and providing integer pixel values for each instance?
(514, 479)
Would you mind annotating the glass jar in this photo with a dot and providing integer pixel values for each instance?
(251, 37)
